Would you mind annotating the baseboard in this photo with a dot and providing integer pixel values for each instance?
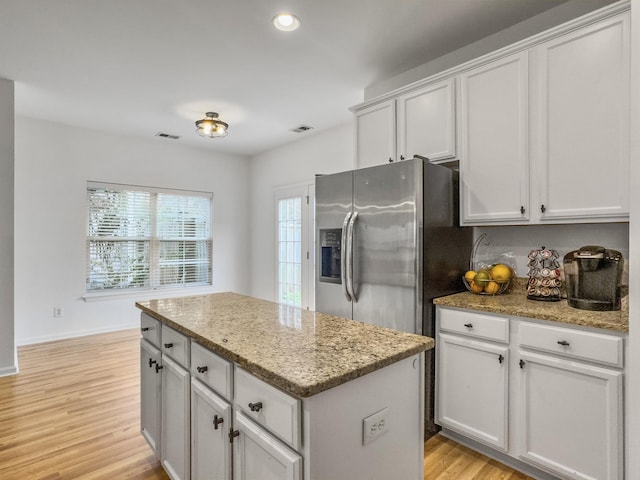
(75, 334)
(7, 371)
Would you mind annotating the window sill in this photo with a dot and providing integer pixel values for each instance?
(148, 294)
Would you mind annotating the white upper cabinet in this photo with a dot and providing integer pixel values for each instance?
(426, 122)
(494, 141)
(376, 134)
(582, 102)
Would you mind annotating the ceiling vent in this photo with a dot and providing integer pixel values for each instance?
(301, 128)
(167, 135)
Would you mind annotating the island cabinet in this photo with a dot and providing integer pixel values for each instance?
(419, 122)
(150, 382)
(244, 396)
(555, 389)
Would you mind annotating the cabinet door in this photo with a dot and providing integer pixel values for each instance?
(150, 395)
(426, 122)
(376, 134)
(494, 142)
(571, 414)
(258, 454)
(175, 420)
(210, 424)
(472, 389)
(583, 110)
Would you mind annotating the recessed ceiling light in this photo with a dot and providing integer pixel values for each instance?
(287, 22)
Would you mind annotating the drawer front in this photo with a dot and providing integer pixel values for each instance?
(212, 370)
(272, 408)
(150, 329)
(474, 324)
(176, 345)
(596, 347)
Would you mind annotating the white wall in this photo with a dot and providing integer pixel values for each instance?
(53, 164)
(7, 344)
(329, 151)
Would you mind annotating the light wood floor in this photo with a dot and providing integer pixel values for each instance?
(72, 413)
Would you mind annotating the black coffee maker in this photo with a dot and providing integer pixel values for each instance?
(592, 277)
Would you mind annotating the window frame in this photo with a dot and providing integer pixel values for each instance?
(155, 290)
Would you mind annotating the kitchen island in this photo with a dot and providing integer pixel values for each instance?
(296, 393)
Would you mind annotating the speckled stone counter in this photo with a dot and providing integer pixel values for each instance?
(515, 303)
(299, 351)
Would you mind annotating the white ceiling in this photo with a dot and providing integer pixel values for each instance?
(139, 67)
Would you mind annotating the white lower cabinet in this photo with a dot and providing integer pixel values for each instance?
(559, 393)
(258, 454)
(211, 420)
(175, 456)
(472, 388)
(150, 391)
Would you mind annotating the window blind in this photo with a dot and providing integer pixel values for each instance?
(141, 237)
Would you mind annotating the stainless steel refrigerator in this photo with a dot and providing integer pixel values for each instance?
(388, 243)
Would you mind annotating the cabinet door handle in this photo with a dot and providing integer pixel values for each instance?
(233, 434)
(543, 208)
(401, 157)
(564, 343)
(168, 345)
(521, 363)
(390, 160)
(468, 325)
(158, 367)
(151, 362)
(217, 421)
(144, 329)
(522, 210)
(255, 407)
(500, 358)
(202, 369)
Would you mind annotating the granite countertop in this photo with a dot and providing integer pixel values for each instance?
(299, 351)
(515, 303)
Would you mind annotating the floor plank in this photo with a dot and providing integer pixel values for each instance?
(73, 413)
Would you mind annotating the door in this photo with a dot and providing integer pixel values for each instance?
(334, 204)
(583, 101)
(210, 423)
(472, 389)
(259, 455)
(387, 201)
(426, 122)
(150, 399)
(564, 432)
(175, 420)
(494, 168)
(376, 134)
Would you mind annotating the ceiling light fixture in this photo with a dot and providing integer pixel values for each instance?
(287, 22)
(211, 126)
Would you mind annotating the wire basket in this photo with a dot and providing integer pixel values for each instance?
(486, 287)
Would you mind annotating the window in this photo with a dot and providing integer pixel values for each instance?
(146, 238)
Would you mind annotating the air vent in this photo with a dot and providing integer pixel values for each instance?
(167, 135)
(301, 128)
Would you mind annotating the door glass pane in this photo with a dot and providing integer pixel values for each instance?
(290, 251)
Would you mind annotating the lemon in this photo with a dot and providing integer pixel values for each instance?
(470, 275)
(482, 277)
(501, 272)
(492, 288)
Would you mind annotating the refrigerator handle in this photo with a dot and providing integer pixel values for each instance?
(343, 257)
(350, 289)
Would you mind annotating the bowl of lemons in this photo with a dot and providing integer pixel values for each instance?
(492, 280)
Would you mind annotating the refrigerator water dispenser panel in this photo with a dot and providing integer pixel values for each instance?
(330, 248)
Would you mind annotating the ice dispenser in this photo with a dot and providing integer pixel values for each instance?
(593, 277)
(330, 249)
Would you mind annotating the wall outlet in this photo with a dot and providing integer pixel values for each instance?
(57, 312)
(374, 426)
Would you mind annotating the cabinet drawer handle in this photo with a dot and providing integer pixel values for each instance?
(564, 343)
(468, 325)
(217, 421)
(168, 345)
(255, 407)
(202, 369)
(144, 329)
(151, 362)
